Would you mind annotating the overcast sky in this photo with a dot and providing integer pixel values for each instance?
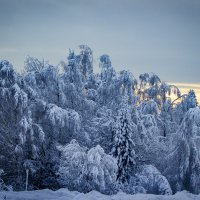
(161, 36)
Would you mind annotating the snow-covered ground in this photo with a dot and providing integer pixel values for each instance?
(64, 194)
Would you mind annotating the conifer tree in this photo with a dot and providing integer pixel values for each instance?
(191, 100)
(123, 148)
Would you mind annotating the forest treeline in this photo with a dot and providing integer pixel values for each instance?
(66, 126)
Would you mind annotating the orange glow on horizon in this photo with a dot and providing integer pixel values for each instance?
(186, 87)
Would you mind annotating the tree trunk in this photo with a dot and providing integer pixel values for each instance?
(27, 179)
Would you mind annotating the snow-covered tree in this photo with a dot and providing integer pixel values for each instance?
(65, 123)
(8, 76)
(152, 180)
(32, 64)
(187, 101)
(123, 146)
(167, 123)
(184, 172)
(3, 186)
(85, 60)
(17, 134)
(128, 84)
(44, 80)
(149, 107)
(84, 170)
(190, 101)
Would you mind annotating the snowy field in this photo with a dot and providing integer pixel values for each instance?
(64, 194)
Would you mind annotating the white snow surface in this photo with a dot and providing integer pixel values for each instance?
(64, 194)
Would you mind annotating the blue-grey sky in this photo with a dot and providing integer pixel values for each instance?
(161, 36)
